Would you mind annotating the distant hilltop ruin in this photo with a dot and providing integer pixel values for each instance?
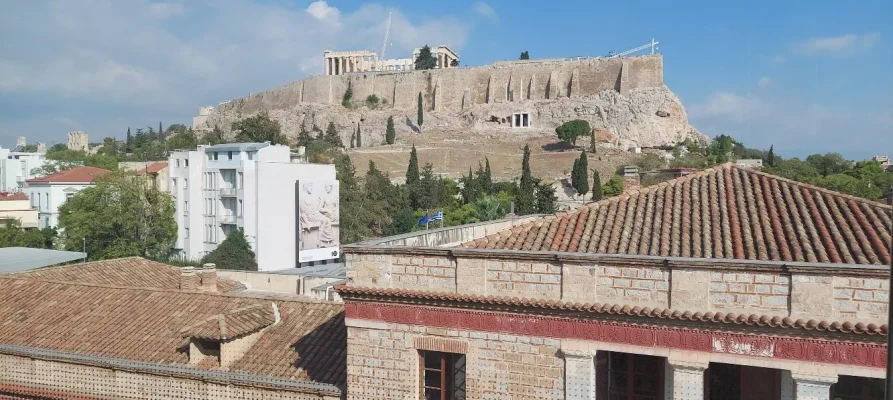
(624, 98)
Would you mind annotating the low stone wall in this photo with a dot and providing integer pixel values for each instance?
(799, 290)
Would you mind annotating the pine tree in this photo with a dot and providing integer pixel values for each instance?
(390, 135)
(425, 59)
(421, 113)
(546, 201)
(596, 186)
(129, 144)
(234, 253)
(359, 136)
(332, 135)
(525, 196)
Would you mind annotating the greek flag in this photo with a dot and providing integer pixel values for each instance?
(436, 217)
(425, 220)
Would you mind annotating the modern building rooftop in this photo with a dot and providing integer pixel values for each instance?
(19, 259)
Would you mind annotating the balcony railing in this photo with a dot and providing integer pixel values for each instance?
(228, 192)
(227, 219)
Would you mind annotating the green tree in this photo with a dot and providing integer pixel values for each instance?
(119, 217)
(412, 171)
(186, 140)
(332, 137)
(525, 198)
(828, 164)
(129, 145)
(160, 130)
(390, 135)
(489, 208)
(844, 183)
(175, 129)
(420, 118)
(571, 130)
(454, 63)
(425, 60)
(29, 148)
(13, 235)
(580, 174)
(233, 253)
(524, 55)
(403, 222)
(596, 186)
(359, 136)
(721, 149)
(794, 169)
(354, 214)
(650, 162)
(770, 158)
(546, 201)
(215, 136)
(431, 192)
(372, 101)
(471, 189)
(614, 187)
(348, 95)
(484, 178)
(259, 128)
(109, 147)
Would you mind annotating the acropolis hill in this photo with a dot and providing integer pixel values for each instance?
(624, 98)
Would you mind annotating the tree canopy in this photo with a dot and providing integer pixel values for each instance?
(569, 131)
(259, 128)
(524, 55)
(120, 216)
(425, 60)
(390, 135)
(526, 196)
(233, 253)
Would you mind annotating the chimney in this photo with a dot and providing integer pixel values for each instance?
(208, 276)
(188, 279)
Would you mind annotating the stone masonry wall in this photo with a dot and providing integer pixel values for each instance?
(813, 293)
(383, 362)
(84, 381)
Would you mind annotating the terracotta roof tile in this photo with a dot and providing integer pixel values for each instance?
(233, 323)
(74, 175)
(146, 324)
(130, 271)
(153, 169)
(499, 302)
(13, 196)
(727, 212)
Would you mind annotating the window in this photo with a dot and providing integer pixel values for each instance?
(173, 184)
(210, 157)
(241, 182)
(185, 233)
(250, 155)
(521, 120)
(229, 155)
(857, 388)
(443, 376)
(241, 209)
(215, 155)
(178, 162)
(624, 376)
(185, 184)
(186, 206)
(187, 162)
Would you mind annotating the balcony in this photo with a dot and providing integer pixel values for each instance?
(229, 219)
(228, 192)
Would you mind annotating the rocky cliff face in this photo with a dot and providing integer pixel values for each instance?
(625, 100)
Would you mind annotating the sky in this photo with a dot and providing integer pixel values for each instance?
(805, 77)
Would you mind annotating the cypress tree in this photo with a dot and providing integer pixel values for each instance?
(488, 180)
(129, 141)
(359, 136)
(160, 131)
(390, 135)
(412, 172)
(584, 173)
(421, 113)
(596, 186)
(770, 158)
(526, 188)
(470, 188)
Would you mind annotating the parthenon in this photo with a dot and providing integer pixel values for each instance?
(344, 62)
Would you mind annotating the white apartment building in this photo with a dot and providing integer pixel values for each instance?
(50, 192)
(16, 167)
(248, 186)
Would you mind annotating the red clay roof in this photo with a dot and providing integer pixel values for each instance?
(13, 196)
(499, 302)
(153, 169)
(130, 271)
(145, 324)
(74, 175)
(723, 212)
(233, 323)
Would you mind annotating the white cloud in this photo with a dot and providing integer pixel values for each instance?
(485, 9)
(764, 82)
(166, 10)
(845, 45)
(125, 57)
(795, 127)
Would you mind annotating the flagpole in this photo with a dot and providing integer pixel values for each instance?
(441, 218)
(426, 219)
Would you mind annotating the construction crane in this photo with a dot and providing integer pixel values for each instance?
(652, 45)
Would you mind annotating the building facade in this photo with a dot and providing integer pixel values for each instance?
(247, 186)
(16, 167)
(50, 192)
(344, 62)
(17, 207)
(723, 284)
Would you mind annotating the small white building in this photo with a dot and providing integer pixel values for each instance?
(16, 207)
(253, 187)
(16, 167)
(50, 192)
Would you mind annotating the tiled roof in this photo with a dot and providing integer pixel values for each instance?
(130, 271)
(74, 175)
(13, 196)
(233, 323)
(153, 169)
(145, 325)
(723, 212)
(499, 302)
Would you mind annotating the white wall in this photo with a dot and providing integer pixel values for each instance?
(48, 197)
(13, 172)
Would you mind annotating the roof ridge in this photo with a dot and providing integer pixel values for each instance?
(812, 187)
(83, 264)
(242, 295)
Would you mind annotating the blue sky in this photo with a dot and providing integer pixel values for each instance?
(806, 77)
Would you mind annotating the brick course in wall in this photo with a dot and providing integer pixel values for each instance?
(528, 279)
(749, 291)
(436, 273)
(647, 286)
(859, 298)
(383, 362)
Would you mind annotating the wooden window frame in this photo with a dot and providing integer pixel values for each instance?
(445, 370)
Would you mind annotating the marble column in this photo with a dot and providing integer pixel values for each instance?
(579, 375)
(684, 380)
(812, 387)
(343, 65)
